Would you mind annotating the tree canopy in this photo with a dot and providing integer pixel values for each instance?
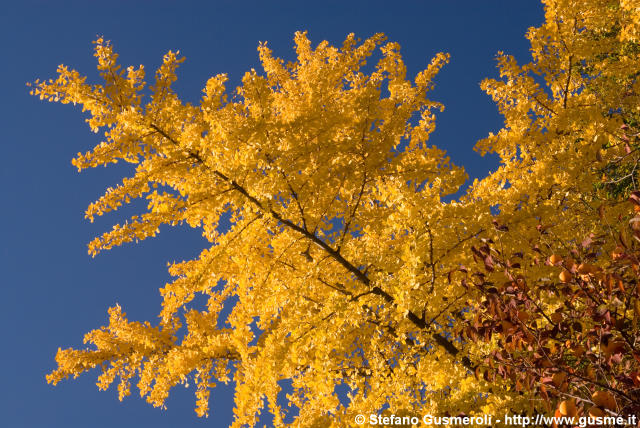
(354, 260)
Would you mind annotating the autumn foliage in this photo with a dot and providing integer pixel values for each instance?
(347, 262)
(572, 337)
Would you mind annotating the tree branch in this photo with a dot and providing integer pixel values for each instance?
(445, 343)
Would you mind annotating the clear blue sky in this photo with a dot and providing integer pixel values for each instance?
(52, 291)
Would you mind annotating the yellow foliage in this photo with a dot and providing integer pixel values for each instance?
(341, 249)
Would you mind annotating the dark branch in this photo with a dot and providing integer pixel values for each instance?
(360, 276)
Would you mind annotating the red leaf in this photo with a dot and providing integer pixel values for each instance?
(488, 263)
(635, 197)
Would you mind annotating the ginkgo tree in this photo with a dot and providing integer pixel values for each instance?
(337, 235)
(346, 266)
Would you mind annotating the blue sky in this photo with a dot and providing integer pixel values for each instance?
(53, 292)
